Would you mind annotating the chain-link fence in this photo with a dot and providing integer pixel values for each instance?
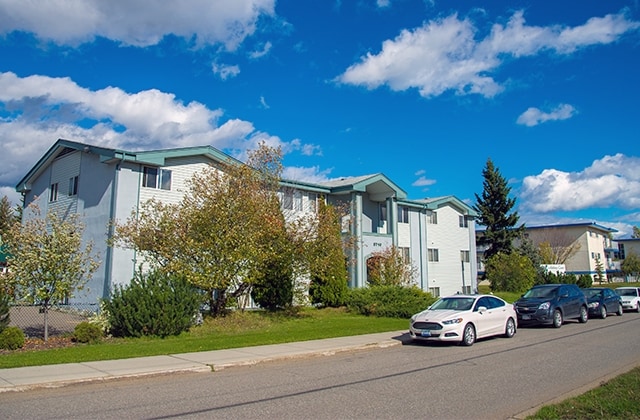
(62, 319)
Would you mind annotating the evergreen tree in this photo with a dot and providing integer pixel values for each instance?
(494, 207)
(636, 233)
(7, 216)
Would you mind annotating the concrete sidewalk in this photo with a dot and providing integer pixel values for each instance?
(20, 379)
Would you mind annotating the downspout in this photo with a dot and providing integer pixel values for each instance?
(108, 283)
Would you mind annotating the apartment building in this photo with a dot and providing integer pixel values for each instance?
(101, 184)
(584, 246)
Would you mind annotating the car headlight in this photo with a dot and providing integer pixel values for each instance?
(593, 304)
(452, 321)
(544, 306)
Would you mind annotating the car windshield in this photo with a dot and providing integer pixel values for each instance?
(592, 293)
(541, 292)
(626, 292)
(453, 303)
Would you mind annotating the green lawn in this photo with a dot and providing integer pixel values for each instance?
(617, 399)
(240, 329)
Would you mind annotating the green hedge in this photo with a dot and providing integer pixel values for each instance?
(388, 301)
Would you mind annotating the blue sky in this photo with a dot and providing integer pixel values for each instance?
(422, 91)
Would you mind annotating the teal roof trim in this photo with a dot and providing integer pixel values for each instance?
(437, 202)
(159, 157)
(360, 184)
(54, 151)
(153, 157)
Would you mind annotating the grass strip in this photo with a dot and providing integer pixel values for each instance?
(240, 329)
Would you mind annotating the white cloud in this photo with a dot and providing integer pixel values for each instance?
(444, 54)
(43, 109)
(264, 103)
(383, 3)
(423, 181)
(136, 22)
(225, 71)
(613, 181)
(534, 116)
(261, 53)
(302, 174)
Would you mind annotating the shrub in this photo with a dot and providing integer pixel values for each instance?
(388, 301)
(86, 332)
(584, 281)
(11, 338)
(274, 288)
(154, 304)
(510, 272)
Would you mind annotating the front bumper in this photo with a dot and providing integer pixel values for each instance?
(447, 333)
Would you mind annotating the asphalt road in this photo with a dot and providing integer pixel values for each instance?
(497, 378)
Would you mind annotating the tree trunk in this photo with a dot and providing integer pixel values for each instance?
(46, 321)
(218, 303)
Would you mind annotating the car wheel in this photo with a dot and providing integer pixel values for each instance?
(468, 335)
(620, 310)
(557, 318)
(603, 312)
(638, 307)
(510, 328)
(584, 315)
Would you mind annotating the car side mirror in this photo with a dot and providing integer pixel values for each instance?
(482, 309)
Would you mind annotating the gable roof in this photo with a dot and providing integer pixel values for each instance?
(448, 200)
(108, 155)
(378, 186)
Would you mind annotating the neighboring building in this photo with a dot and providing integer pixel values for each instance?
(591, 244)
(3, 260)
(626, 247)
(103, 184)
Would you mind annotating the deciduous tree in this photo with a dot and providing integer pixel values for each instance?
(389, 268)
(219, 236)
(510, 272)
(631, 265)
(49, 261)
(495, 208)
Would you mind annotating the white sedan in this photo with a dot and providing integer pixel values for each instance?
(463, 319)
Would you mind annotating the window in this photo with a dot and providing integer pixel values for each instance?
(435, 291)
(312, 204)
(406, 257)
(433, 254)
(287, 200)
(383, 212)
(462, 221)
(73, 186)
(432, 218)
(53, 192)
(297, 201)
(156, 178)
(464, 256)
(403, 214)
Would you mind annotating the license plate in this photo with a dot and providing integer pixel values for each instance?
(426, 333)
(526, 317)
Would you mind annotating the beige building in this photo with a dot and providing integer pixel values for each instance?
(580, 247)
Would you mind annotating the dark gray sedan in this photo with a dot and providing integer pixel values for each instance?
(602, 301)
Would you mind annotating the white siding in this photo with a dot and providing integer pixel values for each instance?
(449, 239)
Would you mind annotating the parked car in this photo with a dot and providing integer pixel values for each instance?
(552, 304)
(630, 297)
(602, 300)
(463, 319)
